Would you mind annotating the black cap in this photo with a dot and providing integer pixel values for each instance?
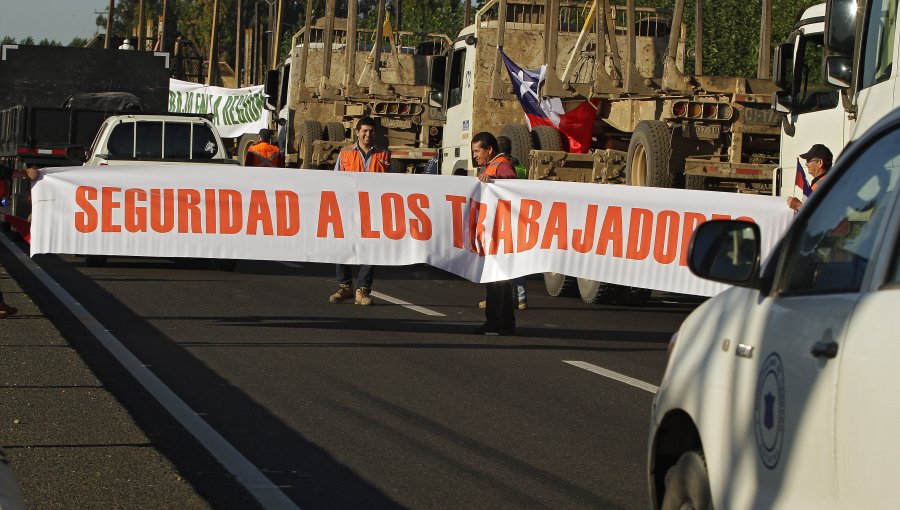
(818, 151)
(265, 134)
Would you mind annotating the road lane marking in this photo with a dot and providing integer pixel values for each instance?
(248, 475)
(631, 381)
(404, 304)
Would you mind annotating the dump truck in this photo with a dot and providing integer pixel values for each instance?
(52, 98)
(338, 72)
(655, 125)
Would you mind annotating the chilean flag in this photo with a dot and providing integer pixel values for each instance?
(800, 180)
(577, 125)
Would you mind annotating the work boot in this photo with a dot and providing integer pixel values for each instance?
(482, 304)
(523, 304)
(345, 291)
(6, 310)
(362, 296)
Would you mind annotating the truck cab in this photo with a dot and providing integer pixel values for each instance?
(833, 99)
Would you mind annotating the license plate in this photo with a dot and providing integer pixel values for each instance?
(708, 131)
(761, 116)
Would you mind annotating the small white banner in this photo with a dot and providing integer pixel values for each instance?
(482, 232)
(235, 111)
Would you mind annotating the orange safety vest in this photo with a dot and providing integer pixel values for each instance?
(352, 160)
(815, 182)
(264, 154)
(501, 168)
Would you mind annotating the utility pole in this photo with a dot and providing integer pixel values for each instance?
(141, 29)
(162, 30)
(109, 15)
(698, 38)
(237, 46)
(277, 34)
(213, 58)
(765, 40)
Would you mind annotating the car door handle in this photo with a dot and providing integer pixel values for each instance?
(825, 349)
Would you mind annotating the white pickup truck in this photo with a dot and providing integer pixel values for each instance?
(157, 139)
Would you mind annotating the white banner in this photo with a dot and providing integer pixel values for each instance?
(235, 111)
(483, 232)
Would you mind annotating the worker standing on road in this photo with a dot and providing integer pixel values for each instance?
(362, 156)
(499, 312)
(263, 153)
(6, 172)
(518, 284)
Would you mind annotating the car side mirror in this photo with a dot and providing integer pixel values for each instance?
(77, 153)
(838, 71)
(781, 101)
(726, 251)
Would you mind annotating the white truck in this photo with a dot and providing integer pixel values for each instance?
(838, 76)
(158, 139)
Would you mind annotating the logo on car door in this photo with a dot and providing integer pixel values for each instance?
(768, 413)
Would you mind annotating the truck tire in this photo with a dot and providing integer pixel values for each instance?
(649, 153)
(310, 132)
(398, 166)
(694, 182)
(558, 284)
(630, 296)
(546, 138)
(687, 484)
(246, 140)
(592, 291)
(335, 132)
(520, 140)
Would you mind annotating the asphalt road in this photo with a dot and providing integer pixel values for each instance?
(342, 406)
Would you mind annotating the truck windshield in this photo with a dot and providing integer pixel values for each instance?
(814, 94)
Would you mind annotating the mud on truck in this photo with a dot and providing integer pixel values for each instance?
(655, 125)
(338, 72)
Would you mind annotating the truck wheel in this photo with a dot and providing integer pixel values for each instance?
(630, 296)
(334, 131)
(546, 138)
(398, 166)
(520, 140)
(246, 140)
(310, 131)
(649, 153)
(558, 284)
(694, 182)
(95, 260)
(592, 291)
(687, 484)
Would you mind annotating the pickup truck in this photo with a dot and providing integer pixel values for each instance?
(157, 139)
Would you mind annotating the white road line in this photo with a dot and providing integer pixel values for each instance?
(637, 383)
(404, 304)
(248, 475)
(387, 298)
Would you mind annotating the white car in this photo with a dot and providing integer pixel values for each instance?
(781, 392)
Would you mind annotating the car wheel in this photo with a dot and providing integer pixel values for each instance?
(687, 484)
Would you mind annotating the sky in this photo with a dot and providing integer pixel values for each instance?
(62, 20)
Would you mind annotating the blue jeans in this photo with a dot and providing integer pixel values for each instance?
(344, 273)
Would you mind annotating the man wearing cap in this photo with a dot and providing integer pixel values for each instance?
(263, 153)
(818, 161)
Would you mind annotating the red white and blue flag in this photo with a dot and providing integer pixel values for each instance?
(800, 180)
(577, 125)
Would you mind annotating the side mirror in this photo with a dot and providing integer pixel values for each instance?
(840, 26)
(838, 71)
(271, 89)
(726, 251)
(77, 153)
(436, 98)
(782, 101)
(784, 60)
(471, 40)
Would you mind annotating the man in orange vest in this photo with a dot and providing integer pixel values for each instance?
(263, 153)
(818, 161)
(499, 310)
(362, 156)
